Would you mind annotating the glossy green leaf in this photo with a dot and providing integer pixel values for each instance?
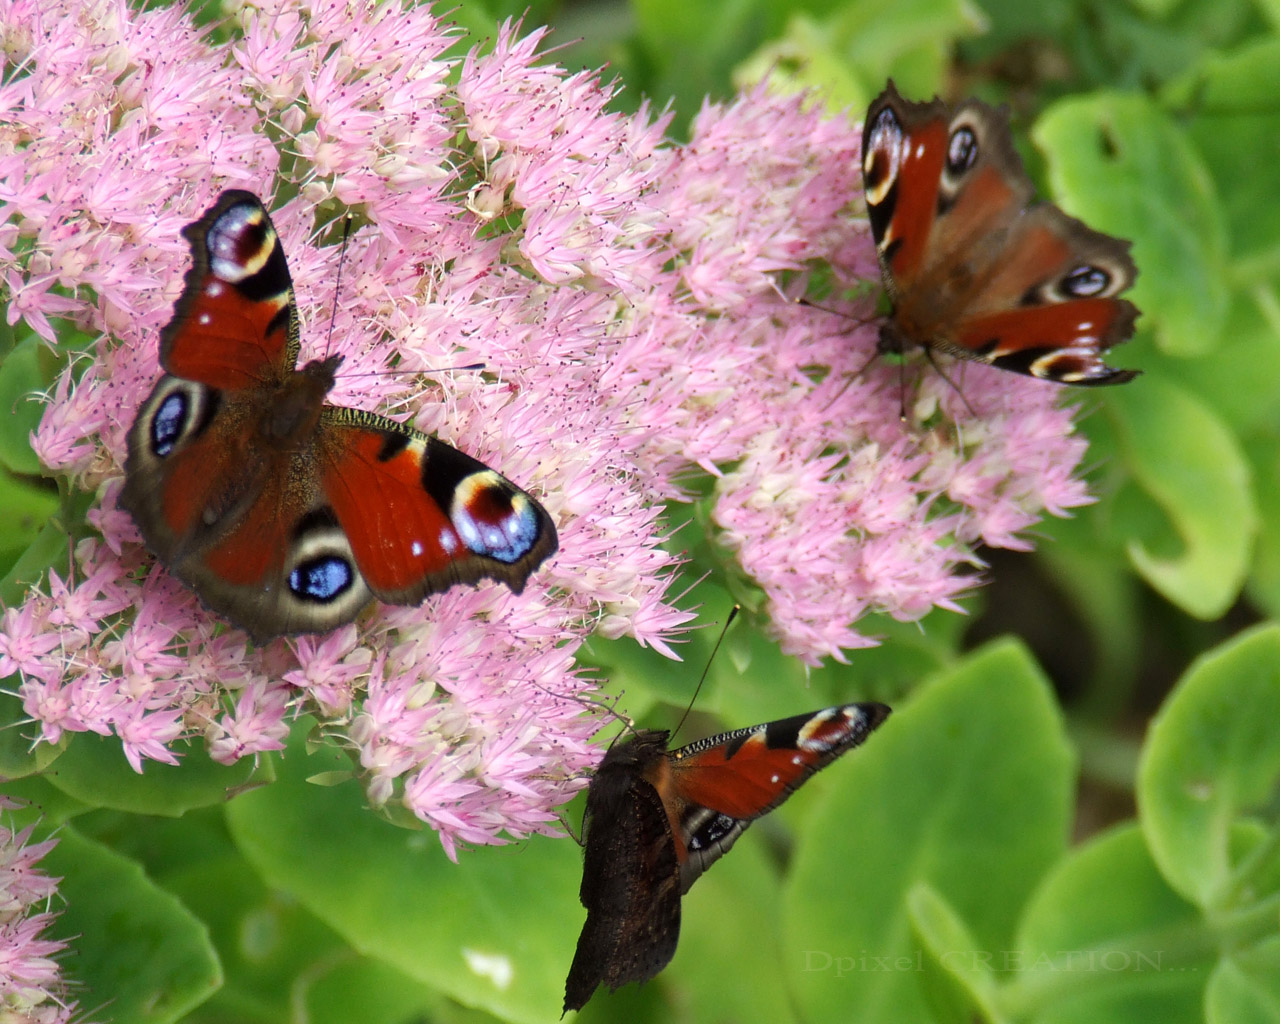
(908, 41)
(968, 789)
(19, 757)
(1105, 940)
(495, 931)
(270, 945)
(1228, 101)
(370, 992)
(1123, 166)
(49, 545)
(1246, 78)
(691, 49)
(140, 956)
(958, 983)
(21, 383)
(94, 770)
(1240, 381)
(1184, 459)
(1245, 988)
(729, 964)
(28, 506)
(1264, 578)
(806, 58)
(1212, 753)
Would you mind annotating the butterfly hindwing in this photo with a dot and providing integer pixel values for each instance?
(970, 267)
(1051, 308)
(630, 875)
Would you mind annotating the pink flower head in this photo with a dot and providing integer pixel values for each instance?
(625, 297)
(31, 985)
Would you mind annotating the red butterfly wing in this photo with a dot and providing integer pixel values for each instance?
(1050, 307)
(421, 516)
(274, 572)
(719, 785)
(234, 324)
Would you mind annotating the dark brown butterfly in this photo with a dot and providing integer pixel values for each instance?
(657, 818)
(973, 267)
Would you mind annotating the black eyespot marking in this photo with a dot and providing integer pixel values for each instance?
(322, 579)
(392, 445)
(962, 150)
(878, 171)
(322, 518)
(1086, 282)
(711, 832)
(168, 423)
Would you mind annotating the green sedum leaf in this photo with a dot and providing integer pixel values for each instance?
(968, 789)
(959, 986)
(494, 931)
(1212, 754)
(1245, 988)
(140, 955)
(21, 382)
(93, 770)
(1105, 940)
(1185, 460)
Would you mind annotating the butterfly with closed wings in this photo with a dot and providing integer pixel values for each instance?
(283, 513)
(972, 267)
(656, 819)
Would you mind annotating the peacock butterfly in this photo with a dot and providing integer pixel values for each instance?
(657, 818)
(283, 513)
(971, 269)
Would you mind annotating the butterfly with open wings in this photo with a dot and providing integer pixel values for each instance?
(972, 267)
(283, 513)
(656, 819)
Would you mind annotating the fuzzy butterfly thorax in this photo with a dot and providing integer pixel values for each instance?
(656, 819)
(975, 269)
(283, 513)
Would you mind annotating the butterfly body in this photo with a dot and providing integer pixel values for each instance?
(286, 514)
(656, 819)
(975, 269)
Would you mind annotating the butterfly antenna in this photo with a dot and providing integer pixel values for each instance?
(902, 387)
(733, 614)
(950, 383)
(861, 320)
(337, 280)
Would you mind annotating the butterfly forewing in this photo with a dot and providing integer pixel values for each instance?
(721, 784)
(235, 322)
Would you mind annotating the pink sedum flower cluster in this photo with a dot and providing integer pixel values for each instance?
(31, 984)
(624, 296)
